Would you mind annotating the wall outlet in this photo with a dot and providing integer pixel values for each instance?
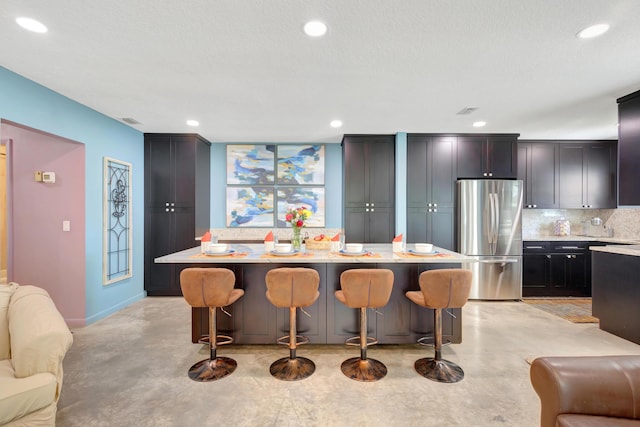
(38, 176)
(66, 225)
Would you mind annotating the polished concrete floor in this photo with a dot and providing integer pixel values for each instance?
(130, 369)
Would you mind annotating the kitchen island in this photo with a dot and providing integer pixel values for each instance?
(616, 289)
(255, 321)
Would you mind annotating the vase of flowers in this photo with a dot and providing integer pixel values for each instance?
(297, 217)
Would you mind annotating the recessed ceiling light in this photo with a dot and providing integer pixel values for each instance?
(336, 123)
(479, 124)
(193, 123)
(315, 29)
(593, 31)
(31, 25)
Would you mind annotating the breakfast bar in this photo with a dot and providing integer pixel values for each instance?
(254, 320)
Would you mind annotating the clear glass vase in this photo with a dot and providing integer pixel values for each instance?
(296, 239)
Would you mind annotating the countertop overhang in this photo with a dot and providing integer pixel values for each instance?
(255, 254)
(633, 250)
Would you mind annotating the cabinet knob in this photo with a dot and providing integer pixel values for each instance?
(435, 210)
(166, 204)
(372, 204)
(371, 210)
(366, 204)
(173, 210)
(490, 173)
(535, 206)
(429, 205)
(166, 210)
(549, 256)
(484, 174)
(366, 210)
(429, 210)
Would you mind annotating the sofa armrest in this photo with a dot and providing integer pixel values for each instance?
(39, 335)
(592, 385)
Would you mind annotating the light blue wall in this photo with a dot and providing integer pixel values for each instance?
(401, 183)
(27, 103)
(332, 177)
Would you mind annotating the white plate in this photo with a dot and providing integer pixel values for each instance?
(227, 252)
(283, 253)
(343, 252)
(414, 252)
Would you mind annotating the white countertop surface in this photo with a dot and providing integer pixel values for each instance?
(633, 250)
(255, 253)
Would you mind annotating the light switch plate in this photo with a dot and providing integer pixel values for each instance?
(66, 225)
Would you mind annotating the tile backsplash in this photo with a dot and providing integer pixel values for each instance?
(625, 222)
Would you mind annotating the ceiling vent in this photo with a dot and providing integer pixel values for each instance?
(467, 110)
(130, 121)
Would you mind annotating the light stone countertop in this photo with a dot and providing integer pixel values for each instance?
(255, 253)
(580, 238)
(633, 250)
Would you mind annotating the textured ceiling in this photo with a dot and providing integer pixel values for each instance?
(246, 71)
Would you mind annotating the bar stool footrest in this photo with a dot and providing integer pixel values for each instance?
(356, 341)
(226, 339)
(212, 369)
(425, 341)
(442, 371)
(300, 340)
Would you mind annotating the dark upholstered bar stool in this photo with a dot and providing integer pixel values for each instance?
(364, 288)
(212, 288)
(446, 288)
(293, 288)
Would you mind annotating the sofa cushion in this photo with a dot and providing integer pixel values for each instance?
(5, 296)
(582, 420)
(21, 396)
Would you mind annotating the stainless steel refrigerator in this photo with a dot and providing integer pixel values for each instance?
(489, 229)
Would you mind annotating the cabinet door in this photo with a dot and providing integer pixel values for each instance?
(380, 158)
(571, 159)
(470, 156)
(441, 227)
(381, 225)
(524, 172)
(159, 188)
(417, 169)
(629, 147)
(441, 171)
(544, 175)
(577, 275)
(535, 274)
(601, 176)
(356, 224)
(501, 157)
(355, 174)
(184, 169)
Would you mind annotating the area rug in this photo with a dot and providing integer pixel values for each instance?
(576, 310)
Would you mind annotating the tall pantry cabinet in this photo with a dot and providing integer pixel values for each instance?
(369, 188)
(177, 204)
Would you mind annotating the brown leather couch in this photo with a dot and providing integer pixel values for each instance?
(588, 391)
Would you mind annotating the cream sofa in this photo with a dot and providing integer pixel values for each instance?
(33, 342)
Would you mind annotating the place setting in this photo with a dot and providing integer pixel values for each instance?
(218, 250)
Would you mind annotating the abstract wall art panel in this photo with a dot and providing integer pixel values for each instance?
(117, 241)
(250, 164)
(300, 165)
(250, 207)
(311, 198)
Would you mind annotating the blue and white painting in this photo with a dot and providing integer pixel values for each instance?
(250, 164)
(301, 164)
(311, 198)
(250, 207)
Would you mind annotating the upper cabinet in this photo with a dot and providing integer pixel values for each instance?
(538, 169)
(430, 189)
(629, 149)
(587, 174)
(369, 188)
(487, 156)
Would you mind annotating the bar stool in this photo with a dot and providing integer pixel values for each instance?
(445, 288)
(364, 288)
(212, 288)
(292, 288)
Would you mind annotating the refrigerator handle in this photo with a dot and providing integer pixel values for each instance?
(494, 222)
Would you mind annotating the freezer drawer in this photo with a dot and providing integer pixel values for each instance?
(496, 278)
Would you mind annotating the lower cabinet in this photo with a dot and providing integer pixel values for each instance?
(254, 320)
(561, 268)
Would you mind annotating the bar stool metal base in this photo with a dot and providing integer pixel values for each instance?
(295, 369)
(442, 371)
(366, 370)
(212, 369)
